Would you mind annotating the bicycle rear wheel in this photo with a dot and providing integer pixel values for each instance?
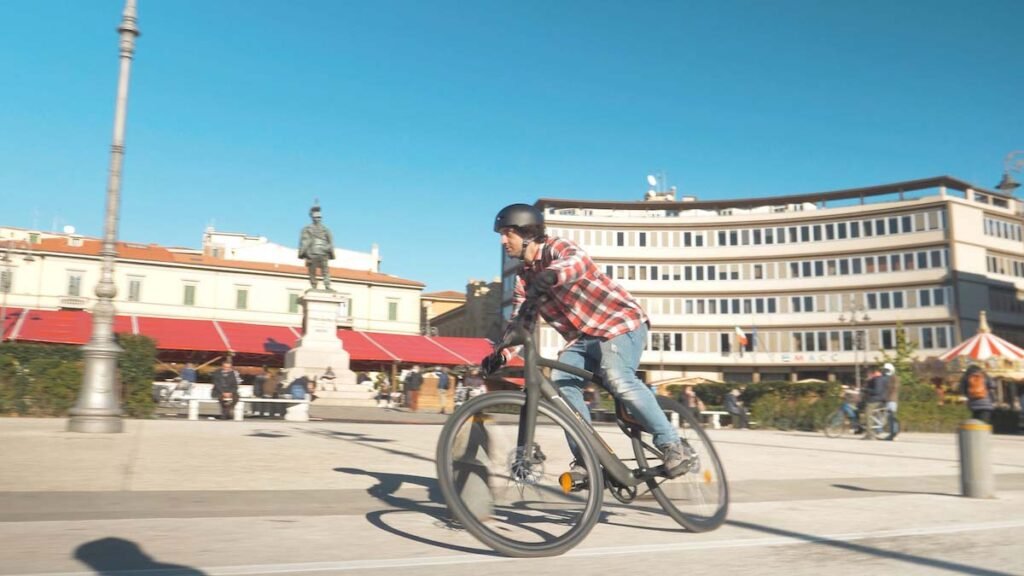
(698, 499)
(835, 424)
(507, 499)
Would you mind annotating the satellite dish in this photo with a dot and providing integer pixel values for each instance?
(69, 229)
(652, 180)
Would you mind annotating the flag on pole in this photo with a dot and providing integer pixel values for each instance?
(741, 337)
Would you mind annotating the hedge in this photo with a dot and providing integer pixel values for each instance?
(44, 379)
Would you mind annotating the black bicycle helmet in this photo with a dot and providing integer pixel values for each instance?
(518, 215)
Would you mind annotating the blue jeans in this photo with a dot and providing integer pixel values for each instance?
(616, 360)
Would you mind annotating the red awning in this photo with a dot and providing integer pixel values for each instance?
(183, 334)
(470, 350)
(55, 326)
(414, 348)
(360, 347)
(257, 338)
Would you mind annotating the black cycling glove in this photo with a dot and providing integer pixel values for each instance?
(492, 363)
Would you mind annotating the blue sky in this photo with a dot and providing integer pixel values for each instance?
(413, 122)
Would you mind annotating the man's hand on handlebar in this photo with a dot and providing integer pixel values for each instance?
(492, 363)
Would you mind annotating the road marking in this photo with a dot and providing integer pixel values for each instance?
(341, 566)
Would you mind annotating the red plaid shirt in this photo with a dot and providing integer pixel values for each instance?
(584, 301)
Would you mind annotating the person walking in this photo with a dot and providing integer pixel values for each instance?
(735, 407)
(605, 327)
(688, 398)
(225, 388)
(980, 391)
(875, 396)
(442, 387)
(892, 395)
(412, 383)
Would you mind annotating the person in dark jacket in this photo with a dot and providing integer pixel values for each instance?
(875, 396)
(225, 388)
(413, 381)
(980, 391)
(734, 406)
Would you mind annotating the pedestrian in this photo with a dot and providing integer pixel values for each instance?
(188, 377)
(603, 324)
(383, 387)
(734, 406)
(412, 383)
(980, 390)
(688, 398)
(225, 388)
(442, 388)
(874, 397)
(892, 396)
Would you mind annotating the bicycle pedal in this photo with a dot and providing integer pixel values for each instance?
(573, 481)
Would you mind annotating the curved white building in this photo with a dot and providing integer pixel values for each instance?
(790, 272)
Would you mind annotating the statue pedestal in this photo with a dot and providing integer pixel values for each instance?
(320, 349)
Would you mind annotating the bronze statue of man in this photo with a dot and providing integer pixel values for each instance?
(316, 247)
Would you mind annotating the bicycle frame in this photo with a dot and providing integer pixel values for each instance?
(537, 385)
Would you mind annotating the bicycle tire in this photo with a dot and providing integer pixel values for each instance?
(699, 499)
(835, 424)
(530, 517)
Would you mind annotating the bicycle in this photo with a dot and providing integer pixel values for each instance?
(839, 422)
(503, 463)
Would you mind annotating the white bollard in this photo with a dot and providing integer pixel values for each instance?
(976, 479)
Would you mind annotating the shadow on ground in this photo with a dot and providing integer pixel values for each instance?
(119, 557)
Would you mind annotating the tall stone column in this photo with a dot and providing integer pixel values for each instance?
(98, 408)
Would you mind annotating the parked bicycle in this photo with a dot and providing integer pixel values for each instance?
(504, 463)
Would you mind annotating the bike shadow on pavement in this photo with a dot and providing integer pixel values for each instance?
(120, 556)
(386, 490)
(388, 485)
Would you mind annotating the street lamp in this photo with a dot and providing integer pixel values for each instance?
(98, 407)
(857, 315)
(1014, 162)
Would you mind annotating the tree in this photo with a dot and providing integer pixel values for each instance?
(902, 359)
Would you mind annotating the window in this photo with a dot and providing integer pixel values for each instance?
(189, 297)
(643, 239)
(392, 310)
(924, 297)
(725, 341)
(6, 281)
(293, 302)
(74, 284)
(620, 238)
(939, 296)
(242, 298)
(927, 338)
(888, 340)
(134, 289)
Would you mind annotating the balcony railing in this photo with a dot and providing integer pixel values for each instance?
(73, 302)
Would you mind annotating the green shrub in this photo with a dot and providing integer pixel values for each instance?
(136, 368)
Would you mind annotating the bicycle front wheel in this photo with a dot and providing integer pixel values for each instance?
(835, 424)
(510, 497)
(699, 498)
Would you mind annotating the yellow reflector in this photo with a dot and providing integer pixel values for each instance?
(565, 481)
(707, 476)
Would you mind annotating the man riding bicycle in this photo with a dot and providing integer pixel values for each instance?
(605, 327)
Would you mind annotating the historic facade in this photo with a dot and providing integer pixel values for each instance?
(804, 286)
(59, 271)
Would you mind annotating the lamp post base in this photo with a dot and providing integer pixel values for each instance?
(97, 424)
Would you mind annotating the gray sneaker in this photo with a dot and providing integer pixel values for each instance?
(674, 456)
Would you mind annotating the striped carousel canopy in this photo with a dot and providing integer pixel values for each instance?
(984, 345)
